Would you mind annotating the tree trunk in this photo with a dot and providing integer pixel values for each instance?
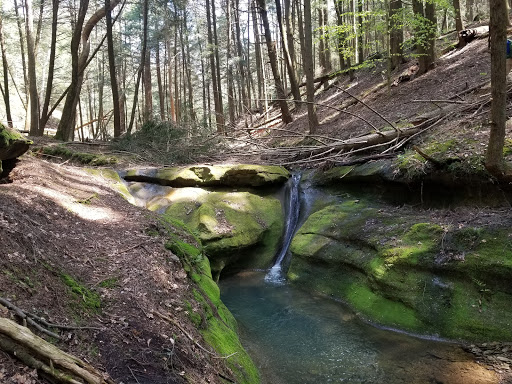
(257, 52)
(307, 58)
(51, 67)
(360, 47)
(272, 55)
(327, 50)
(172, 106)
(22, 47)
(494, 161)
(5, 68)
(145, 12)
(65, 129)
(289, 64)
(112, 67)
(229, 66)
(31, 66)
(220, 112)
(458, 22)
(396, 33)
(161, 99)
(147, 84)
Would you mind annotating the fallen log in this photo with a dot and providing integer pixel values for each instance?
(37, 353)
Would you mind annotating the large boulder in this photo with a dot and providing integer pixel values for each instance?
(212, 176)
(238, 230)
(12, 144)
(407, 271)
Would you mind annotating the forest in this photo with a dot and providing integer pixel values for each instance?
(187, 189)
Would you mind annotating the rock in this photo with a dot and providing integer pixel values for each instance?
(237, 229)
(12, 143)
(212, 176)
(401, 270)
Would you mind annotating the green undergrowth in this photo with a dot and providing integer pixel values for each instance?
(85, 299)
(76, 157)
(214, 321)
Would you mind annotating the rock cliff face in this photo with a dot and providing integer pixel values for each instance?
(424, 271)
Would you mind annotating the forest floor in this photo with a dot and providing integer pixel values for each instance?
(71, 243)
(74, 252)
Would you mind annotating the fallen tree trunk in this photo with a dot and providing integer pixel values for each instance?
(369, 140)
(37, 353)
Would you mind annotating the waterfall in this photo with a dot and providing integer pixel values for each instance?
(292, 211)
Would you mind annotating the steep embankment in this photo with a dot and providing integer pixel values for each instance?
(75, 253)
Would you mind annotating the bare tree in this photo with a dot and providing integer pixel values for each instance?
(31, 66)
(494, 161)
(272, 55)
(5, 68)
(307, 58)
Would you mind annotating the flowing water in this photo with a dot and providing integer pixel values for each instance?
(296, 337)
(292, 212)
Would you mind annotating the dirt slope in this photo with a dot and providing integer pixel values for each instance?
(70, 244)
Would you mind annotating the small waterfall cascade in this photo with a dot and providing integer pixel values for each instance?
(292, 211)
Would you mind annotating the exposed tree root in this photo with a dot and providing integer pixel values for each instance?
(37, 353)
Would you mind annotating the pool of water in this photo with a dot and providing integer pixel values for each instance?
(295, 337)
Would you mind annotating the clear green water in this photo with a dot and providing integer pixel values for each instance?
(295, 337)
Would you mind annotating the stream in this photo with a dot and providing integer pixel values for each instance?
(297, 337)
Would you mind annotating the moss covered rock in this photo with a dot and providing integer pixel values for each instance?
(209, 175)
(214, 321)
(406, 272)
(237, 229)
(12, 143)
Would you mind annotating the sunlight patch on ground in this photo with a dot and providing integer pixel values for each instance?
(85, 211)
(186, 194)
(330, 117)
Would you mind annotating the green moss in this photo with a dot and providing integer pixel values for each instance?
(401, 272)
(87, 299)
(77, 157)
(507, 147)
(109, 283)
(114, 177)
(238, 228)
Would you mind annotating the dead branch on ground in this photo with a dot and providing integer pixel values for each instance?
(37, 353)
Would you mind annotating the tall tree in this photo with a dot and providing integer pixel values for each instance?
(458, 22)
(112, 67)
(31, 66)
(81, 34)
(272, 55)
(425, 33)
(51, 67)
(307, 58)
(5, 69)
(396, 33)
(494, 161)
(294, 85)
(217, 99)
(145, 13)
